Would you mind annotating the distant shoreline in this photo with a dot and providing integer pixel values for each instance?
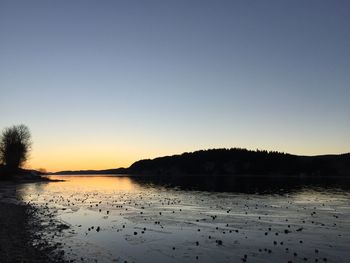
(188, 175)
(232, 162)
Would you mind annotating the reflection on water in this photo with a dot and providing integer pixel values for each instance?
(247, 184)
(118, 219)
(95, 183)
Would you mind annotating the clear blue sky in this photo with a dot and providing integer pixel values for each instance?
(104, 83)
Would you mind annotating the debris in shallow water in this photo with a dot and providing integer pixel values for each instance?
(219, 242)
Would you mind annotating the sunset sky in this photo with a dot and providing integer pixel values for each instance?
(102, 84)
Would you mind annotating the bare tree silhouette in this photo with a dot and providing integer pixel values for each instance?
(15, 145)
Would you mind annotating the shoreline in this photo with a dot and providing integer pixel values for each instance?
(21, 228)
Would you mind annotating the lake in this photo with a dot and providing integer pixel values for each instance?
(195, 219)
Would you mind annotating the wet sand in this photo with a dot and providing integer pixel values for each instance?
(20, 231)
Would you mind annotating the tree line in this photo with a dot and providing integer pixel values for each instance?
(238, 161)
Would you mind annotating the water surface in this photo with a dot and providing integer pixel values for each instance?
(127, 219)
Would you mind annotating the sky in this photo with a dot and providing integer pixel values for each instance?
(102, 84)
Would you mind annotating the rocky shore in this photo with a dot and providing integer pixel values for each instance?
(20, 231)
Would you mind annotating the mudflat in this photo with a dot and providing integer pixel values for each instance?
(20, 226)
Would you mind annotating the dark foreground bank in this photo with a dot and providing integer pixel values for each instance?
(20, 238)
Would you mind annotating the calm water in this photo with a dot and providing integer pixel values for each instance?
(118, 219)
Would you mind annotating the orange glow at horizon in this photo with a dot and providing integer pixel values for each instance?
(90, 157)
(82, 149)
(74, 160)
(101, 159)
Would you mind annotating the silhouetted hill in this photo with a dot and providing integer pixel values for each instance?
(233, 161)
(241, 161)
